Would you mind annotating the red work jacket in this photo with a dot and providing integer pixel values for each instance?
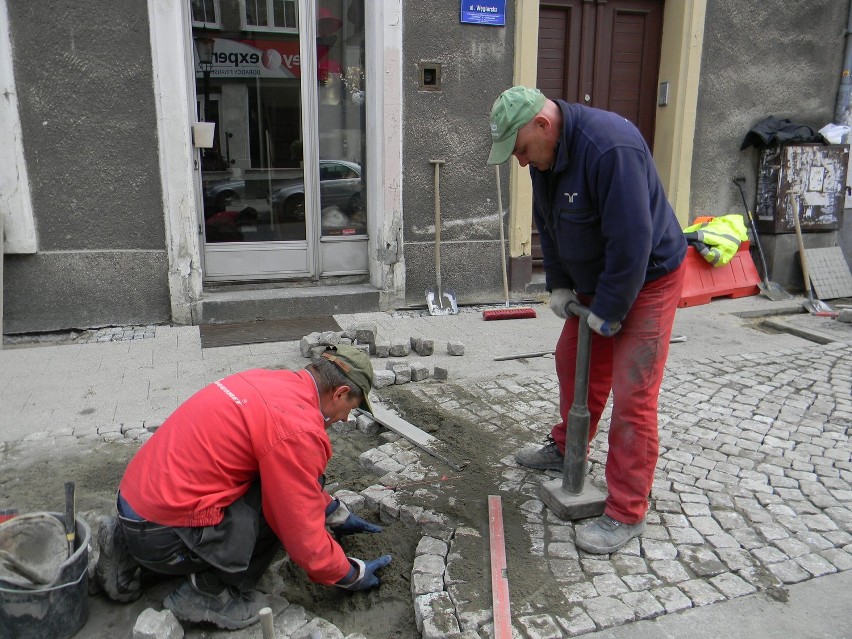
(262, 424)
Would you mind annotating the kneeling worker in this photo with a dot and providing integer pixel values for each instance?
(234, 473)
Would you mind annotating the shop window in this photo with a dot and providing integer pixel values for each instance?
(205, 14)
(270, 15)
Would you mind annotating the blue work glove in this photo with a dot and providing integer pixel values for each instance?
(559, 299)
(602, 326)
(343, 522)
(361, 575)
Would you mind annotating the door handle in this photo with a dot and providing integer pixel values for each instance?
(587, 98)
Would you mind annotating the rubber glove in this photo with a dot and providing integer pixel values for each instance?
(559, 299)
(361, 575)
(343, 522)
(603, 327)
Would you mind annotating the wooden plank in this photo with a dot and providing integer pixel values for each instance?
(499, 578)
(413, 434)
(401, 427)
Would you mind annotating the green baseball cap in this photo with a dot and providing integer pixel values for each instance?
(512, 110)
(355, 364)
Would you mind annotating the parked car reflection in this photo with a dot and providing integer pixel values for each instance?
(340, 186)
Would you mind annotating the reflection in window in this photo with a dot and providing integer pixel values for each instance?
(205, 14)
(271, 15)
(253, 178)
(342, 117)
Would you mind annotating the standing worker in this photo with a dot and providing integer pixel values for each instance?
(611, 242)
(233, 474)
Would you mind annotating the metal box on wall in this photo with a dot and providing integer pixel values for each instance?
(804, 179)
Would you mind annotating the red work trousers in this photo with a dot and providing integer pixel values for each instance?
(630, 364)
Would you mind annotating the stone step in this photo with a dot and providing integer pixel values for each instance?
(246, 305)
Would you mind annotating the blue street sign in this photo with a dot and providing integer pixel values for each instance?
(489, 12)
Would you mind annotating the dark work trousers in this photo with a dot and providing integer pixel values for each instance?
(235, 552)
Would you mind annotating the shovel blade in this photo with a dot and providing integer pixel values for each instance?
(818, 307)
(443, 303)
(773, 291)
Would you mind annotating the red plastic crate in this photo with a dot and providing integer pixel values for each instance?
(703, 282)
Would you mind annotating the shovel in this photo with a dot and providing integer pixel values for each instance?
(772, 290)
(441, 301)
(812, 305)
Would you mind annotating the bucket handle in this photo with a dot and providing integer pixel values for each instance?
(83, 573)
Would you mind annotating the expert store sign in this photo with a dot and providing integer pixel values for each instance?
(492, 13)
(254, 58)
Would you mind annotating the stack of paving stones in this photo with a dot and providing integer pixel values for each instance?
(753, 491)
(396, 371)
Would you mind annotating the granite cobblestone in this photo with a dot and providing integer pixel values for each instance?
(729, 516)
(752, 491)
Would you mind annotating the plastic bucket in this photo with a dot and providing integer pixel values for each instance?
(56, 612)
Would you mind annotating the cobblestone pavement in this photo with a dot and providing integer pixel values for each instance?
(752, 492)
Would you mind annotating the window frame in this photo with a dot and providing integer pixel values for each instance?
(208, 25)
(270, 14)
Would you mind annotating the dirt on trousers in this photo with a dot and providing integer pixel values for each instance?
(33, 478)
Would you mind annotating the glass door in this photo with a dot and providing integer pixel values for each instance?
(284, 171)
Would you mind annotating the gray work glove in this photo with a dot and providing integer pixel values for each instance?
(603, 327)
(559, 299)
(362, 574)
(343, 522)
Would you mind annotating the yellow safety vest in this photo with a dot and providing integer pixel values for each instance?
(719, 239)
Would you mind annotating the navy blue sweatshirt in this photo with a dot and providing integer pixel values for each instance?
(606, 226)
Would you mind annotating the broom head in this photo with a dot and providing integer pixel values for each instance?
(508, 313)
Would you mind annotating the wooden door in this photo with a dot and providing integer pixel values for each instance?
(604, 54)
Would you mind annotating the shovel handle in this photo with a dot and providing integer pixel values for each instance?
(70, 524)
(437, 164)
(753, 226)
(801, 242)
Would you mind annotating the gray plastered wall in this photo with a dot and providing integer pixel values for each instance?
(83, 74)
(452, 125)
(780, 58)
(776, 58)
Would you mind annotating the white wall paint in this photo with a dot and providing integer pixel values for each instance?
(172, 62)
(384, 146)
(15, 203)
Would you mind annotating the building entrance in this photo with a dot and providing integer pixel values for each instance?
(283, 184)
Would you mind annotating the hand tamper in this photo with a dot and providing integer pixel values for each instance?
(574, 496)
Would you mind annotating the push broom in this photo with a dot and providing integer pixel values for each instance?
(517, 312)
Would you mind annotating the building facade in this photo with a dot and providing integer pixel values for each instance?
(195, 161)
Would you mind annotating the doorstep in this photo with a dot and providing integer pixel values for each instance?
(225, 305)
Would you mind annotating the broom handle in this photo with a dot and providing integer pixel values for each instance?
(502, 238)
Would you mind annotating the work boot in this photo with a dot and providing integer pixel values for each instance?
(605, 534)
(117, 572)
(230, 608)
(547, 457)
